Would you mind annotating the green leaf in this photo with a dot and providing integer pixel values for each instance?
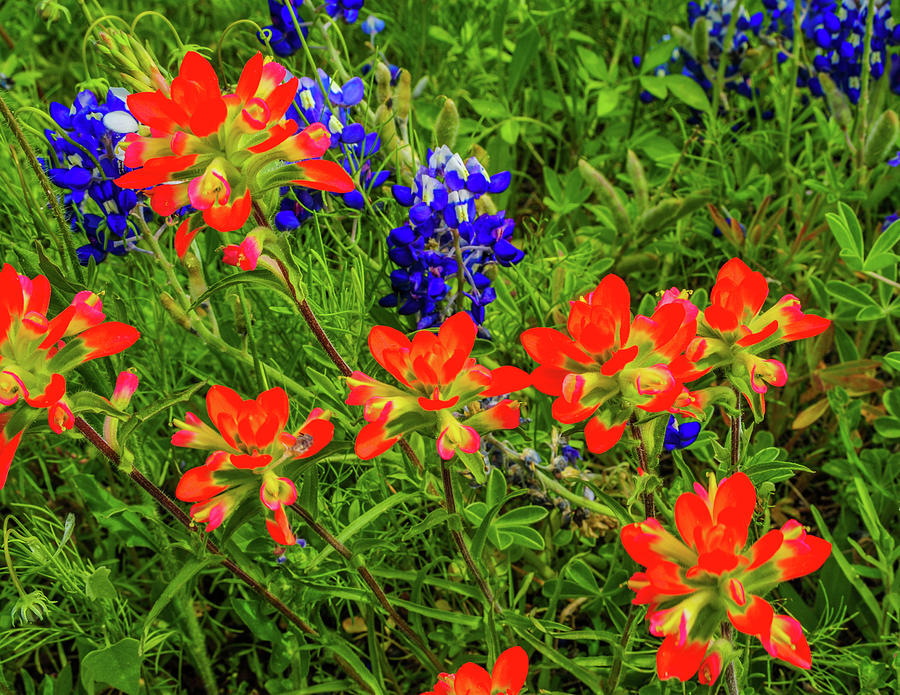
(167, 402)
(524, 536)
(580, 572)
(655, 85)
(687, 91)
(474, 463)
(850, 294)
(848, 234)
(496, 487)
(607, 100)
(99, 586)
(880, 255)
(888, 427)
(658, 55)
(259, 279)
(361, 522)
(522, 57)
(184, 575)
(523, 516)
(891, 400)
(117, 666)
(435, 518)
(892, 360)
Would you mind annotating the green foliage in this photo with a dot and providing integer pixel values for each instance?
(601, 182)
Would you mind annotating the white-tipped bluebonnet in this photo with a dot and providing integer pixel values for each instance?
(354, 147)
(441, 205)
(283, 36)
(85, 162)
(680, 436)
(372, 25)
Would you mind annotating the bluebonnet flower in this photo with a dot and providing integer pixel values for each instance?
(283, 35)
(680, 436)
(348, 9)
(6, 82)
(372, 25)
(889, 220)
(87, 167)
(355, 147)
(442, 209)
(570, 453)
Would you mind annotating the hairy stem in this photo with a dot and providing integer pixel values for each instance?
(731, 684)
(461, 543)
(615, 671)
(369, 580)
(64, 229)
(649, 501)
(736, 434)
(170, 506)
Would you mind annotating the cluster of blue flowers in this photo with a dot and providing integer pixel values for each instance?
(833, 30)
(324, 101)
(444, 226)
(283, 35)
(680, 436)
(85, 157)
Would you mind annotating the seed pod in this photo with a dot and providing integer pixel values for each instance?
(446, 128)
(384, 123)
(638, 180)
(607, 194)
(196, 282)
(240, 318)
(383, 89)
(657, 216)
(481, 155)
(633, 262)
(837, 101)
(701, 40)
(403, 94)
(175, 311)
(881, 138)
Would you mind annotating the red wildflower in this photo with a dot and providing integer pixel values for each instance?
(732, 332)
(205, 148)
(506, 678)
(34, 357)
(438, 379)
(613, 363)
(250, 446)
(693, 583)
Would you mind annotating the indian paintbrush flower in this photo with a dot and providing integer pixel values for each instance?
(438, 381)
(611, 363)
(250, 447)
(693, 583)
(36, 352)
(733, 331)
(207, 149)
(506, 678)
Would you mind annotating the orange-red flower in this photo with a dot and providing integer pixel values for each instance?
(205, 148)
(506, 678)
(613, 363)
(692, 583)
(733, 330)
(440, 390)
(250, 447)
(36, 352)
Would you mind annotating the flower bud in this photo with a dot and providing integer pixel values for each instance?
(607, 194)
(700, 40)
(242, 313)
(881, 138)
(383, 89)
(196, 281)
(638, 180)
(387, 130)
(446, 128)
(661, 213)
(837, 101)
(403, 96)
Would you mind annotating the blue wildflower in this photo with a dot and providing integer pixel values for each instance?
(85, 162)
(372, 25)
(442, 214)
(348, 9)
(680, 436)
(282, 32)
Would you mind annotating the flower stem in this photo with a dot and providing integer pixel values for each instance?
(9, 562)
(616, 670)
(649, 502)
(731, 684)
(369, 580)
(736, 434)
(461, 543)
(170, 506)
(64, 229)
